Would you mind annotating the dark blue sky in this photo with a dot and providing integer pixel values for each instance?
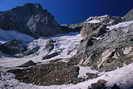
(75, 11)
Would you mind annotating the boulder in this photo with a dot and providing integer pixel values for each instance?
(100, 84)
(48, 74)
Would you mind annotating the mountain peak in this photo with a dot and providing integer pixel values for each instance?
(32, 5)
(31, 19)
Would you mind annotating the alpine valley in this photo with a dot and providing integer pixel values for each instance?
(36, 52)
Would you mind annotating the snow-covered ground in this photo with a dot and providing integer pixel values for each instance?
(122, 77)
(66, 44)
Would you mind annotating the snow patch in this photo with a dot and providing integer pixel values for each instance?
(84, 70)
(96, 19)
(120, 25)
(93, 21)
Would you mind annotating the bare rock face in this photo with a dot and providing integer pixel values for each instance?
(95, 30)
(129, 15)
(95, 26)
(112, 50)
(31, 19)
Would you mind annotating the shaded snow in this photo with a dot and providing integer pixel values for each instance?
(7, 35)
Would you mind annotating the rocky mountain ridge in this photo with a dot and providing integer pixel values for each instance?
(30, 19)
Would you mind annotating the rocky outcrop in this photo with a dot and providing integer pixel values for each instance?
(112, 50)
(31, 19)
(129, 15)
(48, 74)
(12, 47)
(95, 26)
(106, 20)
(31, 51)
(28, 64)
(101, 84)
(93, 30)
(51, 55)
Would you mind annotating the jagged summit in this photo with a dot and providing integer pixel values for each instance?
(31, 19)
(30, 6)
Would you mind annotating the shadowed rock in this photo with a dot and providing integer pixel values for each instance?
(12, 47)
(27, 64)
(101, 84)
